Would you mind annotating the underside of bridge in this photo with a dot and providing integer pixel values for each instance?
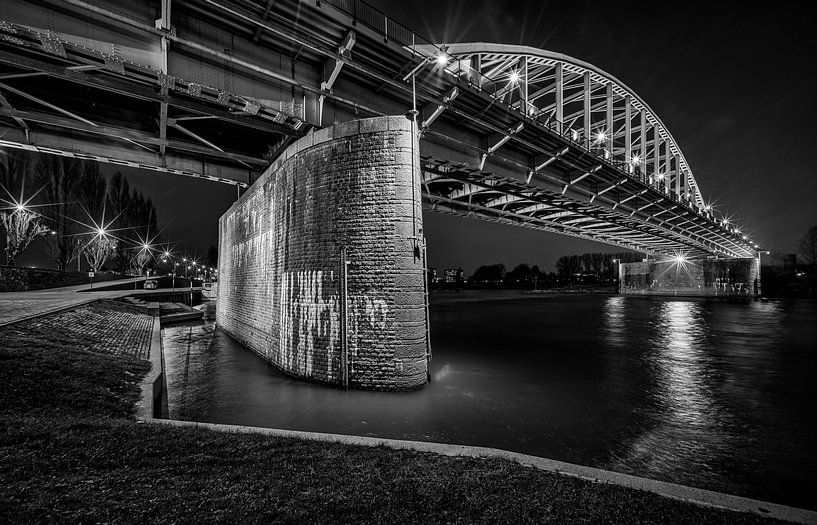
(219, 88)
(224, 89)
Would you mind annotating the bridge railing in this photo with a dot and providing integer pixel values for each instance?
(378, 21)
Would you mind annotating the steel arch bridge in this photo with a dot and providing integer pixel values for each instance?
(215, 88)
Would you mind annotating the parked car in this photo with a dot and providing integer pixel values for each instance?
(150, 284)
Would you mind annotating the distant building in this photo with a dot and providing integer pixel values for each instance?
(454, 276)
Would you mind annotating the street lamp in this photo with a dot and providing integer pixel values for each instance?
(618, 273)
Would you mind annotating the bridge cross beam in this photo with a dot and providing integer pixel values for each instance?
(571, 182)
(608, 188)
(163, 24)
(332, 69)
(539, 167)
(628, 139)
(20, 122)
(608, 121)
(667, 167)
(447, 99)
(505, 138)
(586, 107)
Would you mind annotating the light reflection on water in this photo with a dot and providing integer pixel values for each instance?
(719, 395)
(689, 433)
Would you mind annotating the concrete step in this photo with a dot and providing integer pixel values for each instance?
(172, 308)
(180, 317)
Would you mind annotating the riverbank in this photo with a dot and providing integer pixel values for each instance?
(71, 450)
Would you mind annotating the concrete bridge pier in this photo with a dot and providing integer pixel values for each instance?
(692, 277)
(322, 265)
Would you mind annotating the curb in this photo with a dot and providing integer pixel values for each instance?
(149, 406)
(153, 388)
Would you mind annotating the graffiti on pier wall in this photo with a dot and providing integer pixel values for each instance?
(247, 254)
(369, 317)
(310, 322)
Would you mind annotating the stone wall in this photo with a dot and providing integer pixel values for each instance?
(352, 187)
(20, 279)
(706, 277)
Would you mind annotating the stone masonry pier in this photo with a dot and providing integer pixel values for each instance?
(321, 268)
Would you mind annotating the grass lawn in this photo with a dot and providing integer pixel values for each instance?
(70, 451)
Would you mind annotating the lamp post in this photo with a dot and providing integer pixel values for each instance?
(618, 274)
(191, 285)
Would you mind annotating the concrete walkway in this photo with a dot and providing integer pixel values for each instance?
(18, 306)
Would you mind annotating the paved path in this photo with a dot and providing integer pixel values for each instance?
(108, 327)
(16, 306)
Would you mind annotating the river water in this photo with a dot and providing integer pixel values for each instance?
(711, 394)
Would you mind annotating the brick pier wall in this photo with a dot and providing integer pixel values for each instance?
(707, 277)
(355, 186)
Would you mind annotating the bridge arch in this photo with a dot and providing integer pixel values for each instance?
(578, 97)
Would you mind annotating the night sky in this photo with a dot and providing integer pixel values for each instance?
(735, 85)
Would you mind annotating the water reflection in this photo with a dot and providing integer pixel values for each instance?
(614, 320)
(685, 432)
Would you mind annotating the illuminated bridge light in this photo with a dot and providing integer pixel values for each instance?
(514, 77)
(442, 59)
(601, 136)
(636, 160)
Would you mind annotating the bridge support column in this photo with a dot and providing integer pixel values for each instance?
(321, 260)
(692, 278)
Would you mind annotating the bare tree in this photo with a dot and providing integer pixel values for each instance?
(139, 259)
(135, 221)
(58, 176)
(22, 226)
(99, 250)
(808, 246)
